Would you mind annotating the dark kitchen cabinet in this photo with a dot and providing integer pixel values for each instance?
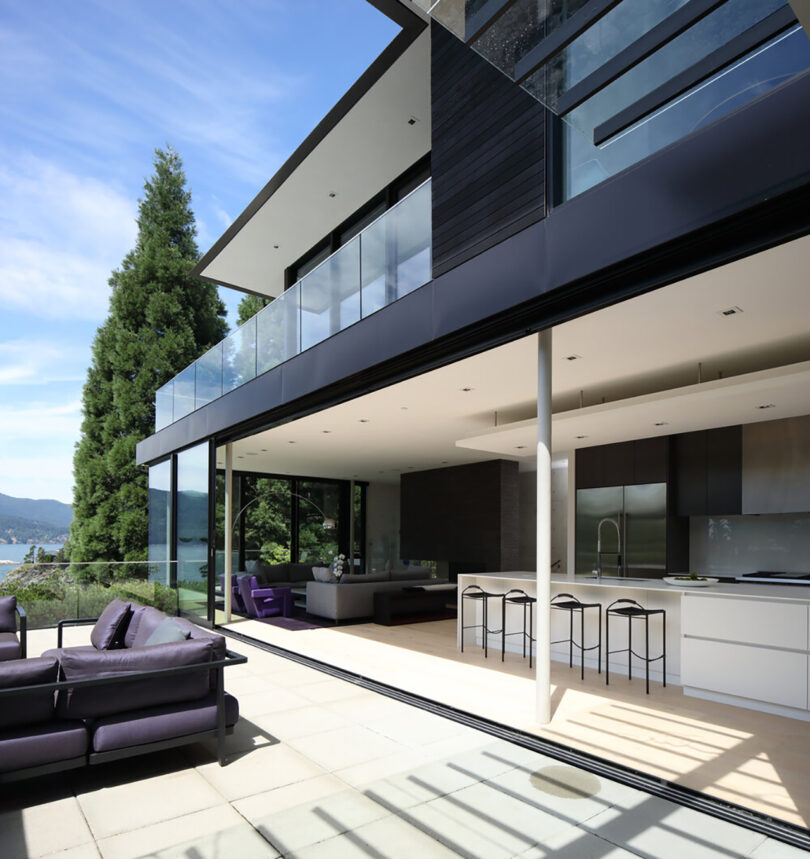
(626, 463)
(708, 472)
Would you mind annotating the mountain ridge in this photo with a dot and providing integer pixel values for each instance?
(40, 511)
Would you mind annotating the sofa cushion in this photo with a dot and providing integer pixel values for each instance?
(28, 709)
(354, 578)
(153, 724)
(167, 631)
(299, 572)
(8, 614)
(323, 574)
(96, 701)
(10, 647)
(146, 619)
(36, 745)
(109, 629)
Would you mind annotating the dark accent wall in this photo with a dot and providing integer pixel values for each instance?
(488, 158)
(465, 513)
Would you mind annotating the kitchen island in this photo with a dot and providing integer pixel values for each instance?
(740, 643)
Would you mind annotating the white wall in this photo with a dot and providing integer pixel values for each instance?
(382, 526)
(527, 490)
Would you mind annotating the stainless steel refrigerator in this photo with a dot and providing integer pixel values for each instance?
(640, 512)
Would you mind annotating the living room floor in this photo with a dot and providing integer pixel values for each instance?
(322, 767)
(741, 756)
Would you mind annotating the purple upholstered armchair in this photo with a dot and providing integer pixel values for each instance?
(264, 602)
(237, 603)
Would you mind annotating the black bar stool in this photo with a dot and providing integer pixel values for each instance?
(478, 594)
(632, 610)
(569, 603)
(518, 597)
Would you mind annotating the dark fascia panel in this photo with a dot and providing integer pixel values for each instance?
(738, 186)
(412, 26)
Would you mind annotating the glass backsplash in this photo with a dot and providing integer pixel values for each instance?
(745, 544)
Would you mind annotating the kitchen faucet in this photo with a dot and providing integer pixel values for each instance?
(618, 552)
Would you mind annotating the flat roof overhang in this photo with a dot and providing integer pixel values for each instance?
(380, 128)
(666, 362)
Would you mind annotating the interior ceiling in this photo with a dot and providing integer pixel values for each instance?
(372, 145)
(641, 356)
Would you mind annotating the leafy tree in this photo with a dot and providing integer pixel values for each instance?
(160, 320)
(249, 306)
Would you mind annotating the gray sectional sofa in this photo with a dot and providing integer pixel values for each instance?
(282, 575)
(145, 683)
(353, 596)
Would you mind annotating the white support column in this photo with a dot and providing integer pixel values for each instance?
(572, 515)
(543, 607)
(228, 529)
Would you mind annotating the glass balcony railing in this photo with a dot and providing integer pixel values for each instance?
(388, 259)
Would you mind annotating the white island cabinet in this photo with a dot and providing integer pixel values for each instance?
(742, 650)
(740, 643)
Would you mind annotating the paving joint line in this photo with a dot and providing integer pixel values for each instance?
(779, 830)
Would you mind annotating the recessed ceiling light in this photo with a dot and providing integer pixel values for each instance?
(363, 421)
(413, 120)
(572, 357)
(767, 406)
(332, 194)
(326, 432)
(290, 442)
(582, 436)
(403, 408)
(264, 450)
(252, 453)
(520, 446)
(445, 461)
(275, 247)
(661, 423)
(730, 311)
(467, 390)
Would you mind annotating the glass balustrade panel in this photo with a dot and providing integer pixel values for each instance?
(239, 356)
(411, 223)
(278, 330)
(184, 392)
(330, 295)
(164, 405)
(209, 376)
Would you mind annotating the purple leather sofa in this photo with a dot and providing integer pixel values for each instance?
(146, 683)
(11, 646)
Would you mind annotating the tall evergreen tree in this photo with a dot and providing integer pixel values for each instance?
(160, 320)
(249, 306)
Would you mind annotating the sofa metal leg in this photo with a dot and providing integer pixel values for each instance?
(220, 674)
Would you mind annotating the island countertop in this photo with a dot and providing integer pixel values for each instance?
(792, 593)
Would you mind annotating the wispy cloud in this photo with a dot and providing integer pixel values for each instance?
(42, 360)
(61, 235)
(36, 449)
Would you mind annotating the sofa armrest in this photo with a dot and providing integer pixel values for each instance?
(23, 631)
(76, 621)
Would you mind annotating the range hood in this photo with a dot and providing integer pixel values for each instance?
(776, 466)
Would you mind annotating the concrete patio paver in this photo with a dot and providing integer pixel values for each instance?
(350, 773)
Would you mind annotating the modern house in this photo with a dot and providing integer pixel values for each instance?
(537, 250)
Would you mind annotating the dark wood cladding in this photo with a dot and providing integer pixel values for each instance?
(488, 158)
(462, 514)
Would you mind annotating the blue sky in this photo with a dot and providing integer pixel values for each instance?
(87, 91)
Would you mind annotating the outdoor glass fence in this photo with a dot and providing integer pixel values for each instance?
(388, 259)
(51, 591)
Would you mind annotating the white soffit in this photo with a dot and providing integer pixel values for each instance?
(641, 354)
(372, 145)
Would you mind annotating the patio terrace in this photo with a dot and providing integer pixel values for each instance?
(322, 767)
